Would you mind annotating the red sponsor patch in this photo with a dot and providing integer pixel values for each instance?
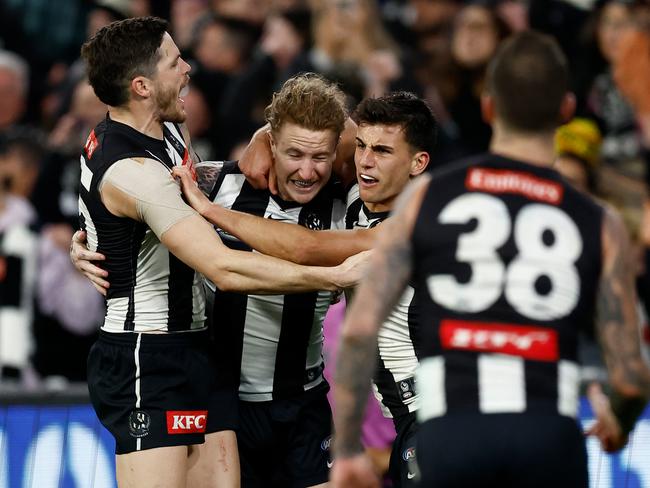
(186, 421)
(187, 161)
(526, 341)
(91, 144)
(515, 182)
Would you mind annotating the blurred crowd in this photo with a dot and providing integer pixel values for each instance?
(240, 52)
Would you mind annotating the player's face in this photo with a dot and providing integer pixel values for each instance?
(171, 78)
(302, 161)
(383, 160)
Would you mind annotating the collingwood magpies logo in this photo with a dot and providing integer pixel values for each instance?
(139, 422)
(313, 222)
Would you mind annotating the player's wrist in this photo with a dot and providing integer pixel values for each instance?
(626, 410)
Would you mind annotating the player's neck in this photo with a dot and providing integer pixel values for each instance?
(143, 121)
(535, 149)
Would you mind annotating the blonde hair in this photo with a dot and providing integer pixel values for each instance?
(309, 101)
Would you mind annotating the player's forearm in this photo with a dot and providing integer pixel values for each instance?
(356, 361)
(279, 239)
(289, 241)
(256, 273)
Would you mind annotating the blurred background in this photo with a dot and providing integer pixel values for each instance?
(240, 52)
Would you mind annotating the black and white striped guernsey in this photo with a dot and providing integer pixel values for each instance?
(394, 380)
(507, 260)
(151, 290)
(274, 341)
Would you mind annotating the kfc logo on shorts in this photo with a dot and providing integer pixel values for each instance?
(186, 421)
(528, 342)
(139, 422)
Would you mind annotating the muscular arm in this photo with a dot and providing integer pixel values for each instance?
(193, 241)
(289, 241)
(375, 297)
(617, 323)
(285, 241)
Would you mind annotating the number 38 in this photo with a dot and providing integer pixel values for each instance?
(552, 257)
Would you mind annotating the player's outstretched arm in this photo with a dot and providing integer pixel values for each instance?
(286, 241)
(618, 332)
(143, 191)
(388, 274)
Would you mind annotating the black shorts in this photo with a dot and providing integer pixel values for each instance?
(285, 443)
(502, 450)
(157, 390)
(403, 469)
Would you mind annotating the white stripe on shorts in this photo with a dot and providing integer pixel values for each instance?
(430, 381)
(138, 441)
(501, 383)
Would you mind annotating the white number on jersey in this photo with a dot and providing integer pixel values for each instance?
(490, 278)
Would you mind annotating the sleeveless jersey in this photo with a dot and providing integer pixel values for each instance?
(397, 360)
(151, 289)
(507, 260)
(275, 341)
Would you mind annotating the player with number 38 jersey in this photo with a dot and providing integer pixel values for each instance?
(521, 264)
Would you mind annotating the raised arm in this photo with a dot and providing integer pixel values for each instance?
(193, 241)
(285, 241)
(389, 272)
(618, 332)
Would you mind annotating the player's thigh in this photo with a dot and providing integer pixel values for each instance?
(162, 467)
(214, 463)
(403, 468)
(308, 460)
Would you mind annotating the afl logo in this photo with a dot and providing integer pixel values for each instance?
(409, 454)
(325, 445)
(139, 422)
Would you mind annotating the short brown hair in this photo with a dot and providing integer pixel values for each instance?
(528, 79)
(119, 52)
(310, 101)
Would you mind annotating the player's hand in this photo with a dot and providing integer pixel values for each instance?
(191, 191)
(354, 472)
(256, 163)
(82, 259)
(353, 269)
(606, 428)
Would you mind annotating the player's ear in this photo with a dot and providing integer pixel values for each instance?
(487, 108)
(567, 107)
(419, 163)
(141, 86)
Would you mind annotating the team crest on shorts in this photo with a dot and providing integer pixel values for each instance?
(139, 422)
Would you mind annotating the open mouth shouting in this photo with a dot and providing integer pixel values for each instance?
(367, 180)
(183, 92)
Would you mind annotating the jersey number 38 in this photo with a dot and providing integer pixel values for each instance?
(541, 282)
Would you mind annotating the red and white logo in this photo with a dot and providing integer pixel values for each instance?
(189, 162)
(516, 182)
(186, 421)
(91, 144)
(528, 342)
